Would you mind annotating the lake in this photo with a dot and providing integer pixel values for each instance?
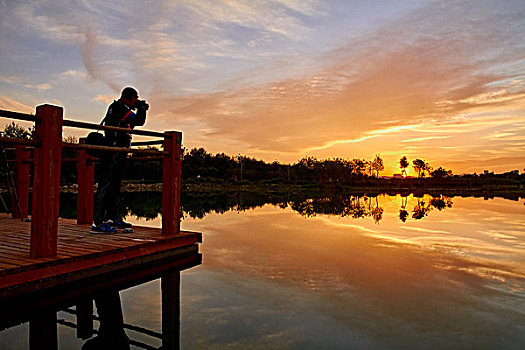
(347, 272)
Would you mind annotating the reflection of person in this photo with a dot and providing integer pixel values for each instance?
(120, 113)
(111, 334)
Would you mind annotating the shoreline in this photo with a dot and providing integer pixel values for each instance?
(506, 191)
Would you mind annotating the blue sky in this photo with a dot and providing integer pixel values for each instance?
(280, 80)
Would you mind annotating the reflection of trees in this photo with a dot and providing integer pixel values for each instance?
(421, 209)
(198, 205)
(441, 202)
(403, 214)
(145, 205)
(148, 205)
(377, 212)
(352, 206)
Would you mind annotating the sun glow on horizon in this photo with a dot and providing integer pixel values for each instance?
(309, 78)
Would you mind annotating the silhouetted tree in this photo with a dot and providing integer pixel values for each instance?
(15, 130)
(441, 172)
(359, 166)
(377, 164)
(421, 167)
(403, 164)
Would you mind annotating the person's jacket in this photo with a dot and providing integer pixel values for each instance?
(121, 115)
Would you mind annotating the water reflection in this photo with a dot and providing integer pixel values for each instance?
(338, 205)
(147, 205)
(450, 275)
(454, 280)
(35, 314)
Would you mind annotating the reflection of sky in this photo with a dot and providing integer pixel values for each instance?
(272, 278)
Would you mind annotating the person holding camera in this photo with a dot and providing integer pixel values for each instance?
(126, 112)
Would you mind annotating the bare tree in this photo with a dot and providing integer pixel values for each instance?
(377, 164)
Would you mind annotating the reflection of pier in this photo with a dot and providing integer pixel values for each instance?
(50, 263)
(33, 289)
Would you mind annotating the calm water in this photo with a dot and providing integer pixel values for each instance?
(353, 273)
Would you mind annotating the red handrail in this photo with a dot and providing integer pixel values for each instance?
(47, 149)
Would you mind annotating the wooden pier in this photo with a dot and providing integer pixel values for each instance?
(81, 254)
(49, 262)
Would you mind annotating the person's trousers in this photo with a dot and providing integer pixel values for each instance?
(108, 192)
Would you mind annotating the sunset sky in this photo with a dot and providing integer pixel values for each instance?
(279, 80)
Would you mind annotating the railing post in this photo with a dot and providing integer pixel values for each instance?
(46, 181)
(171, 183)
(21, 182)
(85, 181)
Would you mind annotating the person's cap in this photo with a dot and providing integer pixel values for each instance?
(129, 93)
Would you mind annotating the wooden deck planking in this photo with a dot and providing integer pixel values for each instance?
(77, 249)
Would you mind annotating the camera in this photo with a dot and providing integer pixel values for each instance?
(141, 104)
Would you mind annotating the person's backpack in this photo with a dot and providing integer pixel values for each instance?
(96, 138)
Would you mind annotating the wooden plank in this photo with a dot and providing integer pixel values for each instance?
(78, 249)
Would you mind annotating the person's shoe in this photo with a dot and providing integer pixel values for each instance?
(119, 223)
(103, 229)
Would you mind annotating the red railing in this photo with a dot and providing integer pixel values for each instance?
(47, 149)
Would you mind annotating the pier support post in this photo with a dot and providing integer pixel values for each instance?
(171, 183)
(46, 181)
(43, 331)
(85, 319)
(170, 285)
(22, 166)
(85, 181)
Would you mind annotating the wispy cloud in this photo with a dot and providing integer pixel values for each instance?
(44, 86)
(337, 142)
(104, 98)
(10, 104)
(393, 129)
(419, 139)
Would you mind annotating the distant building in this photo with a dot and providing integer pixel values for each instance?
(397, 176)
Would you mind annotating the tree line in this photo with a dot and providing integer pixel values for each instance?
(200, 165)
